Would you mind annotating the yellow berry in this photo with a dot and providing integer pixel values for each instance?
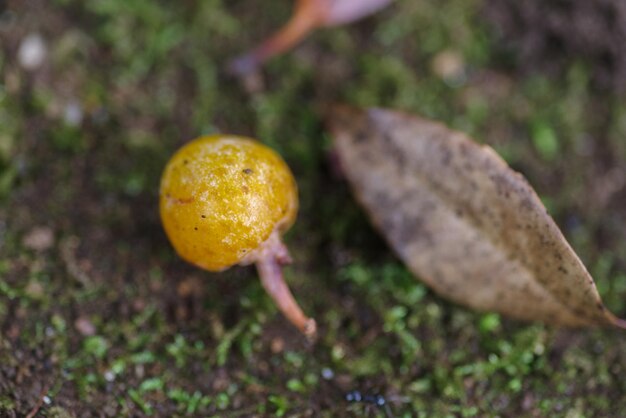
(222, 196)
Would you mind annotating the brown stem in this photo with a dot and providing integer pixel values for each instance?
(271, 274)
(307, 16)
(39, 403)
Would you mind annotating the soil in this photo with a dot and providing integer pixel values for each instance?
(547, 36)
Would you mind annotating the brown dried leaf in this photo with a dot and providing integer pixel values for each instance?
(462, 220)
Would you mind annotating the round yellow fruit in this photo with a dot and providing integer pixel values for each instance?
(222, 196)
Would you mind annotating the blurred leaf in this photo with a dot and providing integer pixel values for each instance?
(307, 16)
(462, 220)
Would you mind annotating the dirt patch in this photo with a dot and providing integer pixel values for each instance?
(549, 35)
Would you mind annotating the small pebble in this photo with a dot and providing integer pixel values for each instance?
(84, 326)
(139, 371)
(278, 345)
(138, 304)
(32, 52)
(327, 373)
(189, 286)
(73, 113)
(40, 238)
(449, 66)
(34, 290)
(528, 402)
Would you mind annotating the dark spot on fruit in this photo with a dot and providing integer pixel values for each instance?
(195, 228)
(203, 216)
(179, 201)
(248, 171)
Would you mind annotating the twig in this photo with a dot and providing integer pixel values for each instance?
(37, 406)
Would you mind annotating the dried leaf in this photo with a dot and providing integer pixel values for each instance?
(307, 16)
(462, 220)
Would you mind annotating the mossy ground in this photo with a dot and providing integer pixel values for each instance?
(105, 320)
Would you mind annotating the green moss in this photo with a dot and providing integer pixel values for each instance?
(6, 404)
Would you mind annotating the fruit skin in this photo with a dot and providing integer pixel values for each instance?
(222, 196)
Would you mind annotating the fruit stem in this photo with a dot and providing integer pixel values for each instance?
(270, 271)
